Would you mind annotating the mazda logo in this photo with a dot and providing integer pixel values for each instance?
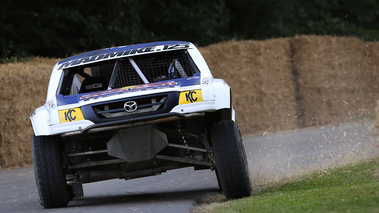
(130, 106)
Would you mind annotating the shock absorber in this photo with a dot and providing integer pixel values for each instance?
(183, 139)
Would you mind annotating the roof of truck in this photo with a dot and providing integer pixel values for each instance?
(121, 51)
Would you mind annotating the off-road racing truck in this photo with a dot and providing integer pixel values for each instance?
(134, 111)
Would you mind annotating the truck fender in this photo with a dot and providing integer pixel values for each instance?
(40, 121)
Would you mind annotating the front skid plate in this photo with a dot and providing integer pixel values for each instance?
(160, 157)
(88, 172)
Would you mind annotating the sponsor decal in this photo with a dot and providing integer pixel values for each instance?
(106, 93)
(70, 115)
(180, 82)
(121, 53)
(190, 97)
(94, 86)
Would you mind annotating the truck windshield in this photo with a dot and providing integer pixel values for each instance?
(129, 71)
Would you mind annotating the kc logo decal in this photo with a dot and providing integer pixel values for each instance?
(70, 115)
(190, 97)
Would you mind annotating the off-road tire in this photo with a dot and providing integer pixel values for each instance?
(49, 176)
(231, 163)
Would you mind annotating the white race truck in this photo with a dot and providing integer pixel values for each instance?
(134, 111)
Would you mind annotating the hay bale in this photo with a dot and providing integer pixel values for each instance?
(259, 73)
(337, 77)
(23, 87)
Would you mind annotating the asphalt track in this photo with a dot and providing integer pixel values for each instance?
(271, 157)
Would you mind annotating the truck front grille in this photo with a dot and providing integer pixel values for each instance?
(142, 105)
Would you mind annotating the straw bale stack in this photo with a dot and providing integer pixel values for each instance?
(338, 78)
(260, 75)
(23, 88)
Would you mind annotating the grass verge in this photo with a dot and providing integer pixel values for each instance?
(353, 188)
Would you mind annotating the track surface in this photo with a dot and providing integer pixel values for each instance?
(271, 157)
(276, 156)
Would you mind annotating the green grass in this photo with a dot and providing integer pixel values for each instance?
(352, 188)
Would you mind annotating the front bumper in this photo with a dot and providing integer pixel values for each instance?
(130, 123)
(215, 96)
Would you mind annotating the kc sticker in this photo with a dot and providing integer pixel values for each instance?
(190, 97)
(70, 115)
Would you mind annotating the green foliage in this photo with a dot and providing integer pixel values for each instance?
(203, 22)
(274, 18)
(63, 27)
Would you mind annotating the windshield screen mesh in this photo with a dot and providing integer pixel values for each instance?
(155, 67)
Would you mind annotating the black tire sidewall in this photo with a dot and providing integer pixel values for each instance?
(48, 170)
(231, 162)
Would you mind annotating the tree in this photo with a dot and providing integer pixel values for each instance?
(62, 27)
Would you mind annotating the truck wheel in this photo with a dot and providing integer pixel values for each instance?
(48, 170)
(231, 163)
